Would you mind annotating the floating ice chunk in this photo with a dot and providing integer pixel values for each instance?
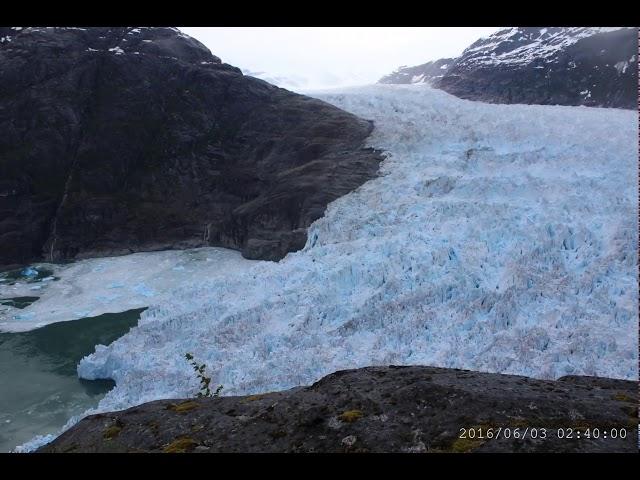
(29, 272)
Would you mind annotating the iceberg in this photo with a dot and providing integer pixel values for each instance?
(29, 272)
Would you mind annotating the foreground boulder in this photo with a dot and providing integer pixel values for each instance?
(591, 66)
(379, 409)
(117, 140)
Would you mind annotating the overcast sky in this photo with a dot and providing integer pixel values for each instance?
(325, 57)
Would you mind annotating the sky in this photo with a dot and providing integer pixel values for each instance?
(305, 58)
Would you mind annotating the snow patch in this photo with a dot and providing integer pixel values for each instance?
(621, 67)
(545, 46)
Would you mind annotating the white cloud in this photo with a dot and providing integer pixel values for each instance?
(326, 57)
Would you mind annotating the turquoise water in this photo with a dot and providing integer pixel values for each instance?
(18, 302)
(39, 386)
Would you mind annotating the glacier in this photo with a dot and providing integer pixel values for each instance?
(498, 238)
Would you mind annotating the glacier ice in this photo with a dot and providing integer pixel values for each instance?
(498, 238)
(29, 272)
(91, 287)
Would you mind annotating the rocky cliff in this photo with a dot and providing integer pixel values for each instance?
(117, 140)
(381, 409)
(591, 66)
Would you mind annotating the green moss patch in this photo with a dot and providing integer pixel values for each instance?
(351, 416)
(181, 445)
(112, 432)
(183, 406)
(623, 397)
(466, 445)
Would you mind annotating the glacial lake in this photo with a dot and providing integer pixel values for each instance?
(39, 386)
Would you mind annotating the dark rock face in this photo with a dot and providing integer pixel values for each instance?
(117, 140)
(594, 67)
(425, 73)
(378, 409)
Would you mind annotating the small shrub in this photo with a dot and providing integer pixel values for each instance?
(113, 430)
(623, 397)
(205, 382)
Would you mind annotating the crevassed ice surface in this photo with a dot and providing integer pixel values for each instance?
(498, 238)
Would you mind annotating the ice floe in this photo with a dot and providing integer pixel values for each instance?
(95, 286)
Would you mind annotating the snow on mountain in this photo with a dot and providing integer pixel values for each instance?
(498, 238)
(592, 66)
(523, 45)
(425, 73)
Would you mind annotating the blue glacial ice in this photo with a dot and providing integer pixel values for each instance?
(29, 272)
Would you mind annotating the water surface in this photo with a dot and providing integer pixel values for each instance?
(39, 387)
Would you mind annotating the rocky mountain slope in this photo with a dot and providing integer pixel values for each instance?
(131, 139)
(592, 66)
(380, 409)
(425, 73)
